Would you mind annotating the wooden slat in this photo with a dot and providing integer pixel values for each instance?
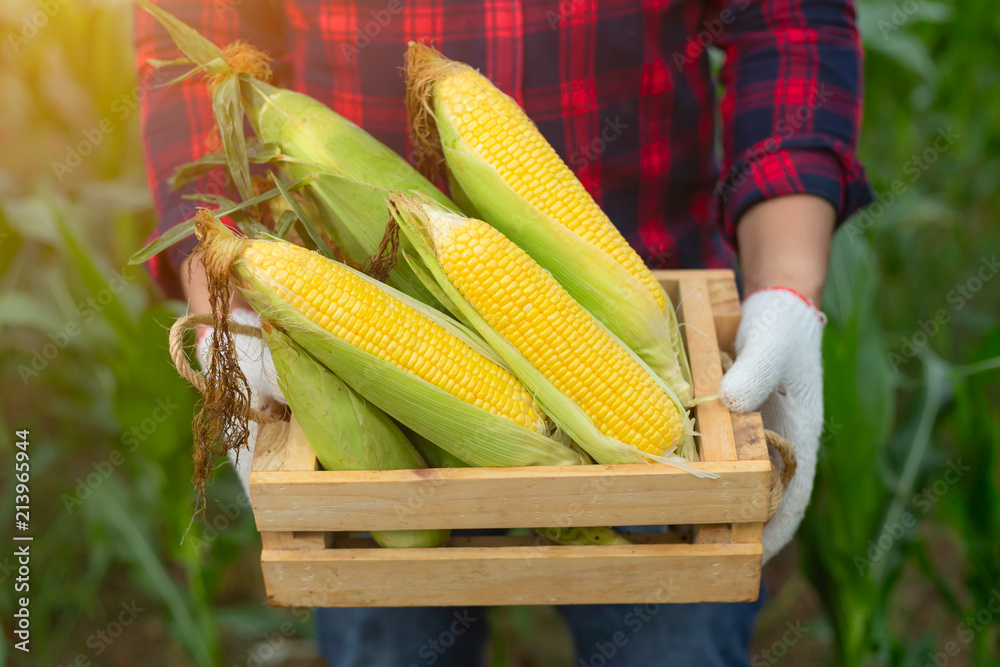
(696, 311)
(292, 540)
(748, 431)
(655, 573)
(269, 450)
(298, 454)
(751, 445)
(664, 275)
(593, 495)
(277, 540)
(725, 311)
(716, 441)
(724, 296)
(282, 446)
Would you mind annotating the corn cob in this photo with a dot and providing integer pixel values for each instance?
(406, 358)
(532, 167)
(355, 310)
(355, 170)
(345, 431)
(351, 171)
(530, 309)
(515, 181)
(523, 312)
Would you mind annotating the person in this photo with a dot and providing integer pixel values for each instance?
(624, 91)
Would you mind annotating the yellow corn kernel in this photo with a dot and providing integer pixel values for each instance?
(556, 335)
(495, 126)
(357, 311)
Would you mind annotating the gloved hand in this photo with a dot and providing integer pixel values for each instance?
(256, 364)
(779, 371)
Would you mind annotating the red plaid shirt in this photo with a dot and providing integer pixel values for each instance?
(621, 88)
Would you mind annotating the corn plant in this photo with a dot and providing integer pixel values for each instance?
(85, 370)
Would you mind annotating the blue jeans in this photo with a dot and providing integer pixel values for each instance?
(625, 635)
(681, 635)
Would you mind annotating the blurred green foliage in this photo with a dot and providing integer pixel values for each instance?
(908, 480)
(911, 374)
(85, 370)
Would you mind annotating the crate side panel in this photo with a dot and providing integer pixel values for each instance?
(661, 573)
(508, 497)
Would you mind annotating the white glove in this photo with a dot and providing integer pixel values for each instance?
(255, 361)
(779, 370)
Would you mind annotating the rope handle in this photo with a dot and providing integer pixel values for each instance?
(778, 482)
(196, 378)
(775, 443)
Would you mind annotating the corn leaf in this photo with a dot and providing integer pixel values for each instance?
(304, 220)
(131, 536)
(192, 171)
(285, 222)
(191, 72)
(228, 108)
(184, 229)
(188, 40)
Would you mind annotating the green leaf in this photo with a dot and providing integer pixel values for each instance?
(187, 173)
(188, 74)
(175, 234)
(858, 395)
(104, 287)
(158, 63)
(936, 392)
(909, 52)
(18, 309)
(182, 230)
(32, 218)
(188, 40)
(228, 108)
(284, 224)
(321, 245)
(146, 558)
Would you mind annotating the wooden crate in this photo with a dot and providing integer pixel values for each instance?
(306, 515)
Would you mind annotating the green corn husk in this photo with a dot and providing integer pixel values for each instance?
(354, 170)
(591, 276)
(435, 456)
(351, 171)
(411, 213)
(345, 431)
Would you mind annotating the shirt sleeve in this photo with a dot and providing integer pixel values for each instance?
(792, 107)
(177, 120)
